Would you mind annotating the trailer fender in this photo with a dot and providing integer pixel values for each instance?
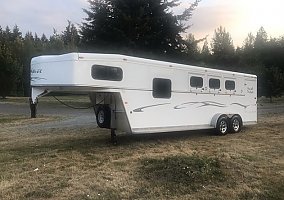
(215, 119)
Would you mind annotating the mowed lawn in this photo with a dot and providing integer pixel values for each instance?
(80, 163)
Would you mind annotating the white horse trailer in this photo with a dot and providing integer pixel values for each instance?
(139, 95)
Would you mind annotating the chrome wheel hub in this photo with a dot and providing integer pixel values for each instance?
(223, 127)
(101, 117)
(236, 125)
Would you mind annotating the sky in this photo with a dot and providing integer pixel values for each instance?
(239, 17)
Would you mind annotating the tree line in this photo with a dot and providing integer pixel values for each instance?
(147, 29)
(16, 52)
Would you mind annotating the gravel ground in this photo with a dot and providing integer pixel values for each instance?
(69, 117)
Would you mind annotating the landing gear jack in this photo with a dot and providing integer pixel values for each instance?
(33, 108)
(113, 137)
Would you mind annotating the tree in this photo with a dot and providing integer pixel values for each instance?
(55, 44)
(205, 52)
(261, 38)
(272, 58)
(271, 82)
(10, 68)
(30, 51)
(133, 26)
(269, 54)
(71, 37)
(247, 52)
(192, 49)
(264, 57)
(222, 47)
(249, 42)
(7, 72)
(17, 51)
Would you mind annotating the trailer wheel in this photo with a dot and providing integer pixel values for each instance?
(222, 126)
(236, 124)
(103, 116)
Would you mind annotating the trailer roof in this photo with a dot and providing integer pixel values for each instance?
(119, 57)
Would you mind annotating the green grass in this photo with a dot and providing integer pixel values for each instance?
(269, 191)
(182, 174)
(273, 190)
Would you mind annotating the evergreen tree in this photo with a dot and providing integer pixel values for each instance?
(8, 73)
(10, 68)
(205, 52)
(30, 51)
(71, 37)
(264, 58)
(248, 56)
(192, 49)
(43, 43)
(249, 42)
(55, 44)
(271, 82)
(17, 51)
(132, 26)
(261, 38)
(272, 59)
(222, 47)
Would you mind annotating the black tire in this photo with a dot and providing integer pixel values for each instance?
(103, 116)
(222, 126)
(236, 124)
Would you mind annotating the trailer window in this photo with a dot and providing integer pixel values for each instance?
(229, 85)
(214, 83)
(162, 88)
(196, 82)
(102, 72)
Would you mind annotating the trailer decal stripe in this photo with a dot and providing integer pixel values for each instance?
(141, 109)
(37, 78)
(245, 106)
(205, 103)
(184, 105)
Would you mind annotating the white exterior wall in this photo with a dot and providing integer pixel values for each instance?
(188, 108)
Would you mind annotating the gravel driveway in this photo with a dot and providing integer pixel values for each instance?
(69, 117)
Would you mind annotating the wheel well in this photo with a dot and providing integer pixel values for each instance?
(97, 106)
(218, 115)
(237, 115)
(215, 119)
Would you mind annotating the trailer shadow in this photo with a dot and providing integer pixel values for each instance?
(128, 139)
